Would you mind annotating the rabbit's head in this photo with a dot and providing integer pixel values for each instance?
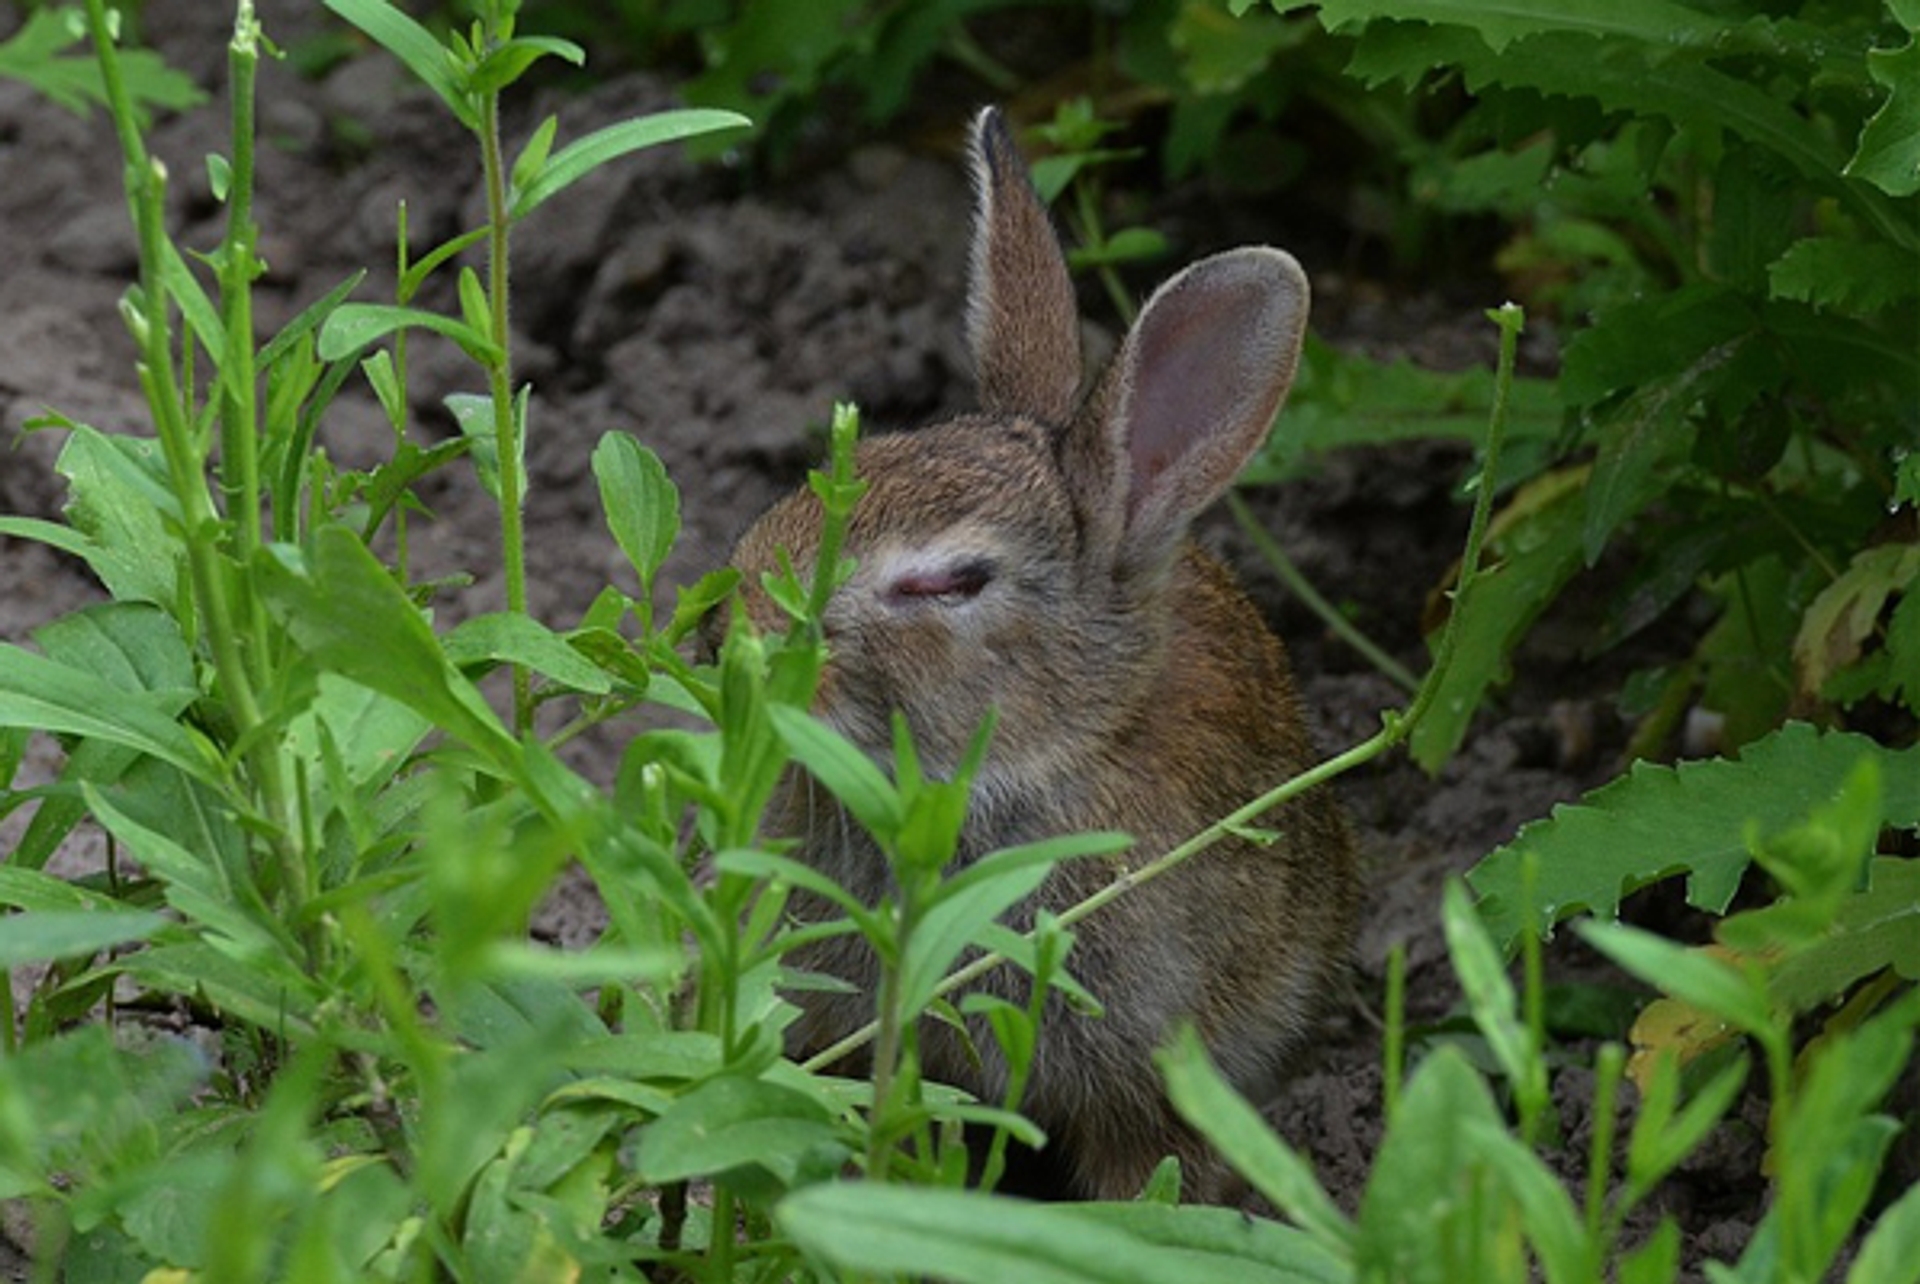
(1018, 559)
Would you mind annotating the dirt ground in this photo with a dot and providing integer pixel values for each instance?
(719, 321)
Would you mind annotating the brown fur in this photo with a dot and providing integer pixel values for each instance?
(1136, 687)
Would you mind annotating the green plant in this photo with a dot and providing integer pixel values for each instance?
(1453, 1193)
(1733, 203)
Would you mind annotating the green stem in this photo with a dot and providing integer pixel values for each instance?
(1298, 585)
(239, 447)
(1608, 1070)
(506, 426)
(1395, 726)
(186, 466)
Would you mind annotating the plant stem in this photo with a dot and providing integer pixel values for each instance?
(1298, 585)
(186, 466)
(1608, 1069)
(506, 426)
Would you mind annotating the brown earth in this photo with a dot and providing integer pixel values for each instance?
(719, 323)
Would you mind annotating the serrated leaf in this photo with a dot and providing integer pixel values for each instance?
(1340, 400)
(1853, 276)
(1657, 822)
(1888, 155)
(1501, 22)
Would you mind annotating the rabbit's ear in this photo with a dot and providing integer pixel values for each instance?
(1188, 399)
(1022, 321)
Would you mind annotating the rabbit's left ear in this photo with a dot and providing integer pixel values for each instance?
(1188, 399)
(1022, 320)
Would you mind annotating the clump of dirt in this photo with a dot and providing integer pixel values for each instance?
(719, 326)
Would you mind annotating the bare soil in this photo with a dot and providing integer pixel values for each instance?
(719, 321)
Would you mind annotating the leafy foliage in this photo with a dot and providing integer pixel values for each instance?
(1696, 819)
(1747, 384)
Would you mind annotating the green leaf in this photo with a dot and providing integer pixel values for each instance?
(417, 273)
(1491, 998)
(118, 497)
(1890, 1254)
(640, 501)
(208, 881)
(310, 319)
(506, 638)
(1705, 981)
(734, 1121)
(1888, 155)
(1128, 245)
(1846, 614)
(62, 934)
(279, 1000)
(1418, 1220)
(35, 892)
(347, 611)
(954, 922)
(1545, 1210)
(33, 54)
(133, 645)
(848, 774)
(41, 695)
(533, 156)
(1693, 819)
(969, 1238)
(353, 326)
(413, 45)
(507, 62)
(1250, 1145)
(1342, 400)
(1219, 54)
(473, 412)
(1538, 538)
(1856, 277)
(1869, 931)
(585, 155)
(1502, 22)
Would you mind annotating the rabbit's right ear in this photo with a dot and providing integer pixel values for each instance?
(1186, 402)
(1022, 320)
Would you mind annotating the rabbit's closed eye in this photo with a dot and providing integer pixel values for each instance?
(951, 583)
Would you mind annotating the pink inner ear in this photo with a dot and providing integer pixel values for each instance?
(1174, 366)
(1207, 365)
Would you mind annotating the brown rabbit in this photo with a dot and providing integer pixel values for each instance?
(1033, 558)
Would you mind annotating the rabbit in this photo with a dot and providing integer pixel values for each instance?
(1033, 558)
